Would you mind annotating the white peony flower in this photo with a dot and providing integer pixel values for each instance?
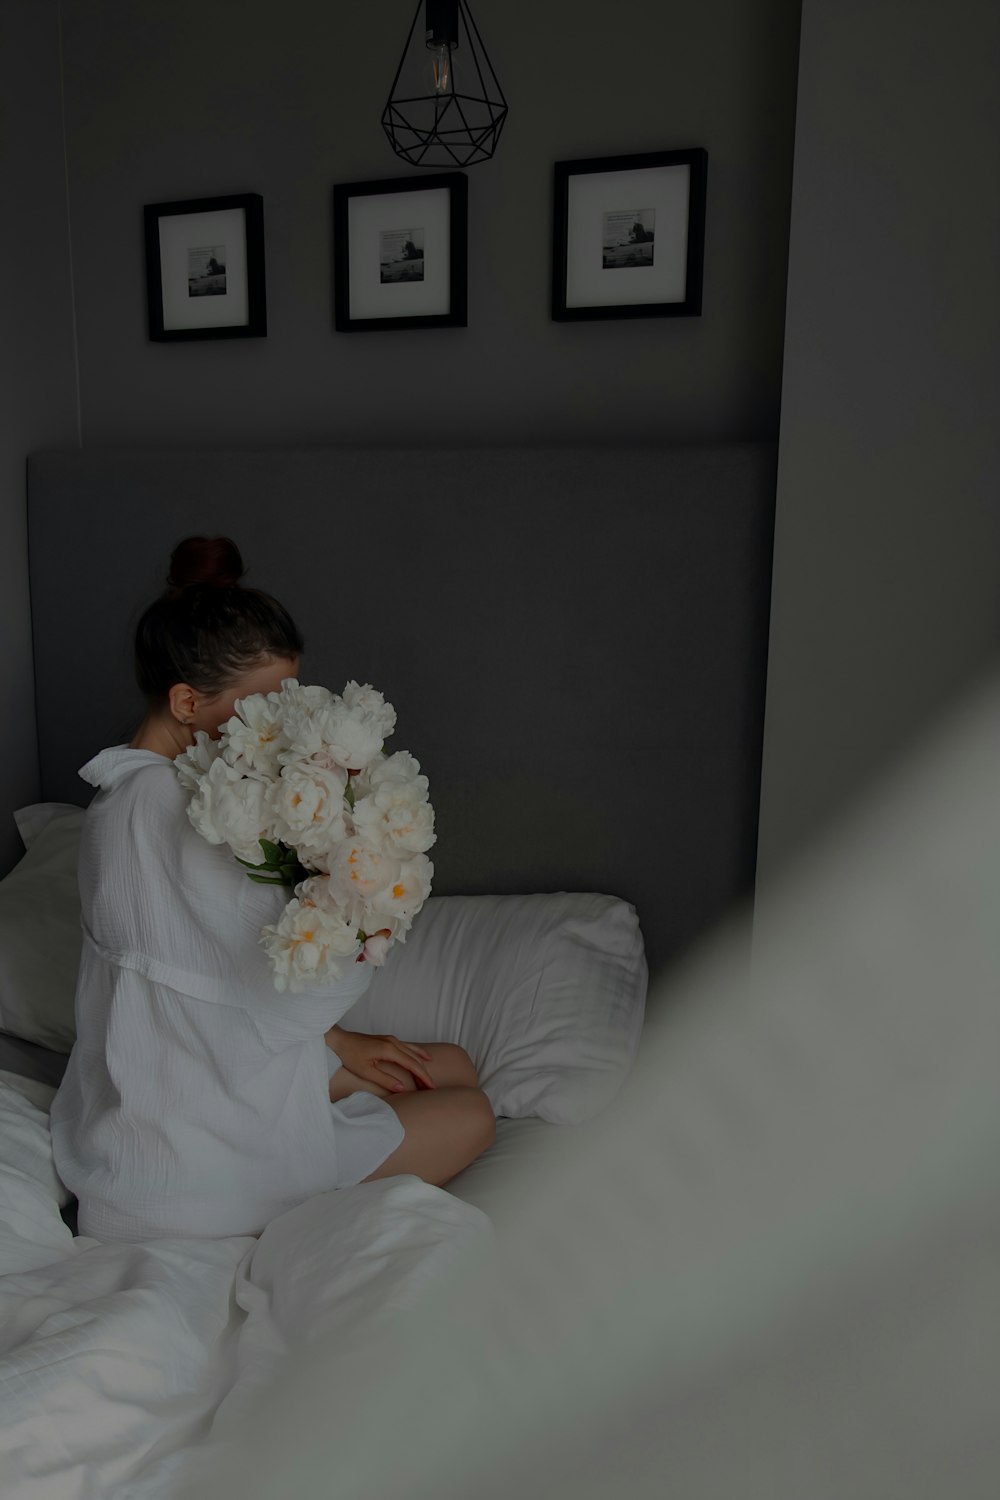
(307, 741)
(395, 905)
(195, 761)
(400, 767)
(307, 804)
(371, 702)
(255, 736)
(228, 808)
(328, 735)
(352, 736)
(244, 818)
(358, 872)
(310, 944)
(294, 694)
(331, 732)
(397, 817)
(204, 805)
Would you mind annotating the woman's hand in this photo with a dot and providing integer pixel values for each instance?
(363, 1055)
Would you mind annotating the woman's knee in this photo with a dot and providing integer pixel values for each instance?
(482, 1120)
(473, 1122)
(454, 1065)
(444, 1132)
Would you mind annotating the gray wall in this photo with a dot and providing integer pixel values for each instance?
(37, 382)
(191, 99)
(887, 543)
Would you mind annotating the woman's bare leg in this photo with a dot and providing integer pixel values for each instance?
(446, 1129)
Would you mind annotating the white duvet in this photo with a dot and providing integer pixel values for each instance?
(118, 1360)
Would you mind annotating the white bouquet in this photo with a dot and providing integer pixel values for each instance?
(301, 777)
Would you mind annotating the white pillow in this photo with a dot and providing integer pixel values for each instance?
(31, 820)
(40, 930)
(546, 993)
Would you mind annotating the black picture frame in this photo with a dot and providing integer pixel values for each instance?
(169, 227)
(368, 307)
(575, 266)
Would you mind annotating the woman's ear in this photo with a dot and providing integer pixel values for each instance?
(182, 702)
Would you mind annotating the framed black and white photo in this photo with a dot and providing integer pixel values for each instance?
(205, 268)
(629, 236)
(400, 253)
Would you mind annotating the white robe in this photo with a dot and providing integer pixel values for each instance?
(196, 1098)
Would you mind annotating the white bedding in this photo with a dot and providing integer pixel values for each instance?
(116, 1359)
(119, 1362)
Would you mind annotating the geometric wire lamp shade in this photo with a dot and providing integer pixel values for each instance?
(446, 107)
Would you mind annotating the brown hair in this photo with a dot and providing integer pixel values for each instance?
(206, 629)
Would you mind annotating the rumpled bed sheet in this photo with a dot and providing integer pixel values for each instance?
(120, 1362)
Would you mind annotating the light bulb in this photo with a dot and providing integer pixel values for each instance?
(441, 67)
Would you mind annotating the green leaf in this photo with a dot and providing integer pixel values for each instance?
(249, 865)
(266, 879)
(272, 853)
(349, 795)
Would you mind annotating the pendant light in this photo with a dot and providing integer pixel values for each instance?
(446, 107)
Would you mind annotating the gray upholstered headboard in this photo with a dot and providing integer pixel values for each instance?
(574, 639)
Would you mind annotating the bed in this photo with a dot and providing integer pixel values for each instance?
(115, 1359)
(604, 614)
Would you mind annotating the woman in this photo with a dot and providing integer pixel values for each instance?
(198, 1100)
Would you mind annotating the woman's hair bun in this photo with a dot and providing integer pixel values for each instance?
(214, 560)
